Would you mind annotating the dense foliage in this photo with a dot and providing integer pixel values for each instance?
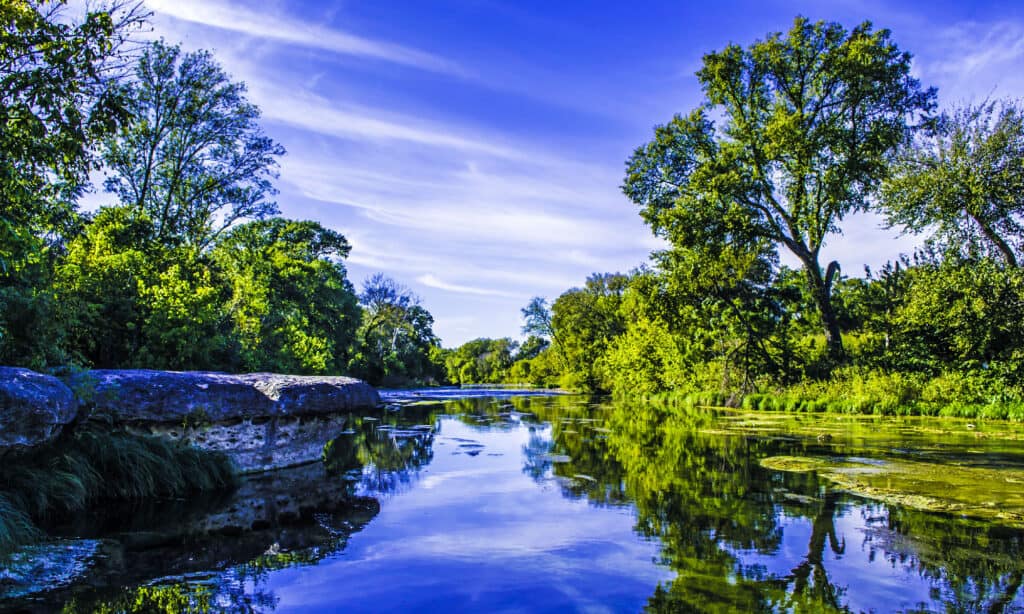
(188, 267)
(816, 124)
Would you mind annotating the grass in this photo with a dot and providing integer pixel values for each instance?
(93, 465)
(976, 395)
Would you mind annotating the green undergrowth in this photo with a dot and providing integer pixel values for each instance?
(976, 395)
(94, 465)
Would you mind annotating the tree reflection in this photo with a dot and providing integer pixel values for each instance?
(702, 493)
(383, 452)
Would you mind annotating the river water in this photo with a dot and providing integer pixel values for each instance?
(504, 502)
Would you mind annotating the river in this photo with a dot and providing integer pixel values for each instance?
(499, 501)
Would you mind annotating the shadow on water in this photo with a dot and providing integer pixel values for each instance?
(214, 552)
(737, 535)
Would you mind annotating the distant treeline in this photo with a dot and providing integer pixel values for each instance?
(796, 133)
(189, 265)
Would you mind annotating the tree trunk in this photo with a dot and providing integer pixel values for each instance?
(994, 238)
(821, 292)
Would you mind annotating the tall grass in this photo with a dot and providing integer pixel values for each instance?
(975, 395)
(95, 465)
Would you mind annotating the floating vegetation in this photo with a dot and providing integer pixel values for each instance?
(967, 490)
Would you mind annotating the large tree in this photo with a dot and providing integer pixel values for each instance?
(964, 182)
(194, 159)
(806, 125)
(58, 72)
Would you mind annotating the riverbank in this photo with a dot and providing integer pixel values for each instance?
(98, 464)
(874, 392)
(94, 437)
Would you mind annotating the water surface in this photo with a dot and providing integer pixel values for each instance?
(490, 502)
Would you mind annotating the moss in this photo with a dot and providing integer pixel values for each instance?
(94, 465)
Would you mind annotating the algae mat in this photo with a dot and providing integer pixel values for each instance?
(972, 491)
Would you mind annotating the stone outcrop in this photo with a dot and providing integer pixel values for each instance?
(263, 421)
(176, 397)
(34, 408)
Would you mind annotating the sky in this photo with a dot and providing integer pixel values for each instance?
(473, 149)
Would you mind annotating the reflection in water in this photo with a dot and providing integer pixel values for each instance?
(731, 529)
(736, 536)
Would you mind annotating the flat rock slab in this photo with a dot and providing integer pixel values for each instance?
(263, 421)
(34, 408)
(182, 397)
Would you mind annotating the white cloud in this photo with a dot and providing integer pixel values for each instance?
(283, 29)
(433, 281)
(974, 60)
(315, 114)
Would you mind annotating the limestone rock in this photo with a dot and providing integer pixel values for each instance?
(34, 408)
(177, 397)
(263, 421)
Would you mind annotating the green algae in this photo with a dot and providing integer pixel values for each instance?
(990, 493)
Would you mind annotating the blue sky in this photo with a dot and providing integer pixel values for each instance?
(473, 149)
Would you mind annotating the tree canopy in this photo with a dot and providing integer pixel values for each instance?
(194, 157)
(963, 182)
(809, 121)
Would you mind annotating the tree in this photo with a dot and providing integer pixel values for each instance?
(194, 158)
(480, 361)
(128, 302)
(809, 122)
(396, 338)
(532, 347)
(57, 97)
(292, 307)
(537, 319)
(586, 320)
(964, 182)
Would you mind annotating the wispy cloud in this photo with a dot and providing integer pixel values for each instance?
(980, 46)
(972, 60)
(286, 30)
(316, 114)
(432, 281)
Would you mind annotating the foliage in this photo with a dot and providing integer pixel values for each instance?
(172, 277)
(961, 314)
(57, 98)
(480, 361)
(584, 320)
(809, 122)
(963, 183)
(396, 337)
(292, 307)
(646, 359)
(158, 307)
(193, 158)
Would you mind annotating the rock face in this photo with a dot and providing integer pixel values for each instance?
(263, 421)
(34, 408)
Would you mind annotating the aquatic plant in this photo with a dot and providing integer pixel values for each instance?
(93, 465)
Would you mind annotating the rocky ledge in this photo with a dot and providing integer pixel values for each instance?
(263, 421)
(34, 408)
